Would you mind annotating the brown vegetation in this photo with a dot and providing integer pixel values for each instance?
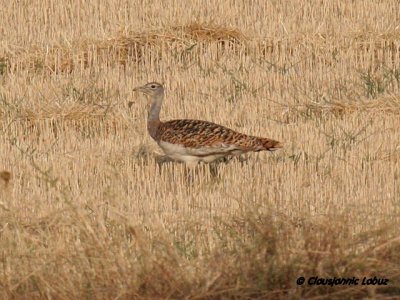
(89, 209)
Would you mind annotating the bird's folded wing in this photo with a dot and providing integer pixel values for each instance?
(198, 134)
(207, 138)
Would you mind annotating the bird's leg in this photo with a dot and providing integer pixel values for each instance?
(162, 160)
(214, 170)
(190, 172)
(243, 159)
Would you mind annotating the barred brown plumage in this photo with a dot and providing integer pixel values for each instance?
(192, 141)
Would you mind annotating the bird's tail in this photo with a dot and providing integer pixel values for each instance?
(268, 144)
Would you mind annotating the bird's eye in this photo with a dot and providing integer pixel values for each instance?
(153, 86)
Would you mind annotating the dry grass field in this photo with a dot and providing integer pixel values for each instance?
(87, 209)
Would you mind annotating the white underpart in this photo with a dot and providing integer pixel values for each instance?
(202, 154)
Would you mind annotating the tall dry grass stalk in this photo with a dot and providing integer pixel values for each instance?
(92, 212)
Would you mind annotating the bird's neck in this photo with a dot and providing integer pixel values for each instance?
(152, 127)
(153, 120)
(154, 114)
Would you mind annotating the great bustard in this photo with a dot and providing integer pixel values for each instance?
(193, 141)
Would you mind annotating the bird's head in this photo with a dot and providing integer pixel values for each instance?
(151, 89)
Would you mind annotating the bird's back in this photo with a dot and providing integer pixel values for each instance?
(203, 134)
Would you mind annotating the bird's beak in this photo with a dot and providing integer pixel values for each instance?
(138, 89)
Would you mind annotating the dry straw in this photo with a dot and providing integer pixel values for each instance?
(92, 211)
